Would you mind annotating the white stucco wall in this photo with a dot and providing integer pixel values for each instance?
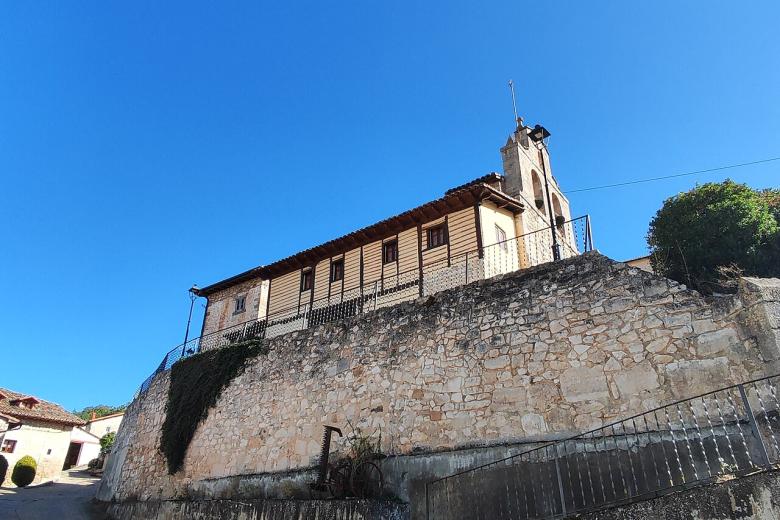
(47, 443)
(104, 425)
(90, 445)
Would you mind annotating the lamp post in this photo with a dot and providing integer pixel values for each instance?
(193, 296)
(538, 134)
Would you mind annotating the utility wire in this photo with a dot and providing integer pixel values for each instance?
(709, 170)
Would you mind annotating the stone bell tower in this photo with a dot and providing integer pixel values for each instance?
(528, 175)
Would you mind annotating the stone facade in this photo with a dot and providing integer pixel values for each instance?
(529, 356)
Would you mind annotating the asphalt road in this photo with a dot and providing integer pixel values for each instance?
(67, 499)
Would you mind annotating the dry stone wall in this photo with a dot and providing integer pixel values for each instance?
(555, 349)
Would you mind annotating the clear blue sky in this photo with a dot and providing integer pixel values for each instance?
(145, 146)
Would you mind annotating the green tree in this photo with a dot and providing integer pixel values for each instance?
(714, 225)
(107, 442)
(100, 410)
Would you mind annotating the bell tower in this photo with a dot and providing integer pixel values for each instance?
(528, 176)
(513, 157)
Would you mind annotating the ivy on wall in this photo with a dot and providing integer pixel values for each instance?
(196, 384)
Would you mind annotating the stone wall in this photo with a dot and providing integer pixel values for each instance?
(529, 356)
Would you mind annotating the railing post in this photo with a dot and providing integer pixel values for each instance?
(560, 482)
(754, 426)
(588, 235)
(467, 267)
(427, 504)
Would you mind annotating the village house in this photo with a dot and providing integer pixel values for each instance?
(492, 225)
(40, 429)
(100, 426)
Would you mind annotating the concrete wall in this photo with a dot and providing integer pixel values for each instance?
(47, 443)
(756, 497)
(529, 356)
(259, 510)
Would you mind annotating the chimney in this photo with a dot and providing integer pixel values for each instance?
(93, 416)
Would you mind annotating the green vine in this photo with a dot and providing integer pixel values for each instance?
(196, 384)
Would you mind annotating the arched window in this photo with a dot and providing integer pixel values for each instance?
(538, 192)
(558, 212)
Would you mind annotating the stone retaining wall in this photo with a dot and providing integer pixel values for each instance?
(548, 351)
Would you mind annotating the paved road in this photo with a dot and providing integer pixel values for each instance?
(67, 499)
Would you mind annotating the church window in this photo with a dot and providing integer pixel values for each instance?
(240, 304)
(538, 192)
(501, 238)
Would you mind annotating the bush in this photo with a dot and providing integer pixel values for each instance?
(107, 442)
(95, 463)
(713, 226)
(3, 469)
(24, 471)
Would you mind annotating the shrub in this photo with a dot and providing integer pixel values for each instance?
(711, 226)
(3, 469)
(24, 471)
(95, 463)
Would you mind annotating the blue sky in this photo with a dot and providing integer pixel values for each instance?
(144, 147)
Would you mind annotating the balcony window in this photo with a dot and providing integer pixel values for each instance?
(390, 252)
(307, 277)
(437, 236)
(337, 270)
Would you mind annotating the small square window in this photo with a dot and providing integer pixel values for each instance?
(337, 270)
(240, 304)
(48, 452)
(8, 446)
(390, 252)
(307, 277)
(437, 236)
(501, 238)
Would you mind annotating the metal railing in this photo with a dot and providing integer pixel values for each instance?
(536, 247)
(731, 431)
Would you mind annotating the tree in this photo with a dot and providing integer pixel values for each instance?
(712, 226)
(107, 442)
(100, 410)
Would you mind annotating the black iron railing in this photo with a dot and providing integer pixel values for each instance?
(573, 238)
(731, 431)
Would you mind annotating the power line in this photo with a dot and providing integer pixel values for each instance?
(709, 170)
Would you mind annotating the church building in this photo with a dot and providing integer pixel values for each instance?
(492, 225)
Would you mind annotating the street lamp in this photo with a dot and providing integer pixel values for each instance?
(538, 134)
(193, 296)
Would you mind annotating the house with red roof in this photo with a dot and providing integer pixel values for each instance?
(38, 428)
